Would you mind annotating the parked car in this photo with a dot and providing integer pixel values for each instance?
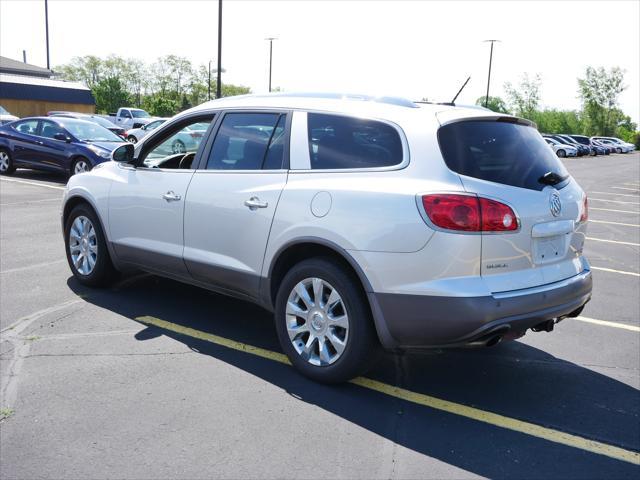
(57, 144)
(567, 140)
(607, 149)
(91, 118)
(6, 117)
(129, 118)
(358, 222)
(136, 134)
(560, 149)
(618, 145)
(595, 149)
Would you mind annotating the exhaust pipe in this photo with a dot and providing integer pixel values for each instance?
(546, 326)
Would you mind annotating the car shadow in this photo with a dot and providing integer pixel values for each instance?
(41, 175)
(515, 380)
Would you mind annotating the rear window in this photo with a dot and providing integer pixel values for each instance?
(338, 142)
(498, 151)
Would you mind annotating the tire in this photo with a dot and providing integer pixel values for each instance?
(178, 147)
(562, 153)
(6, 162)
(618, 150)
(132, 139)
(345, 328)
(96, 268)
(80, 165)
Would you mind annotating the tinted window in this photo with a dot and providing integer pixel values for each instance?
(501, 152)
(337, 142)
(50, 129)
(243, 140)
(582, 140)
(28, 126)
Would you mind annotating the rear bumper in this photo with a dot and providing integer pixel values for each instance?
(419, 321)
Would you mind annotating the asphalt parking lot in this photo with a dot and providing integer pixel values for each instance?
(155, 379)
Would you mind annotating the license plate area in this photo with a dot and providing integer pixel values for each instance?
(550, 249)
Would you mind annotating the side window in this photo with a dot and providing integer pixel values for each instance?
(177, 147)
(125, 114)
(248, 141)
(153, 125)
(49, 129)
(30, 127)
(338, 142)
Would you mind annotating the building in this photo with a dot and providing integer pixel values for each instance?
(28, 90)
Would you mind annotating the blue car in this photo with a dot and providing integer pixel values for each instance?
(65, 145)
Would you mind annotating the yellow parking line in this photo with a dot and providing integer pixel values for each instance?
(635, 184)
(614, 223)
(37, 184)
(472, 413)
(613, 241)
(611, 270)
(612, 201)
(616, 194)
(628, 188)
(604, 323)
(612, 210)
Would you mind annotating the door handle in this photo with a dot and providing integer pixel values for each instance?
(170, 196)
(254, 203)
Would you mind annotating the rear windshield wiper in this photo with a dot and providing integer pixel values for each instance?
(551, 178)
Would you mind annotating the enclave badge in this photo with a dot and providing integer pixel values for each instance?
(555, 205)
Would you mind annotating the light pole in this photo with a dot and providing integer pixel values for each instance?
(46, 26)
(486, 99)
(271, 39)
(209, 82)
(219, 84)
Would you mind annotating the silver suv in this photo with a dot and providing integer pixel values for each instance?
(358, 221)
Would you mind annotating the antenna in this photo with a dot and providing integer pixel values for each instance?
(453, 102)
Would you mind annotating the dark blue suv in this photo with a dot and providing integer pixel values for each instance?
(64, 145)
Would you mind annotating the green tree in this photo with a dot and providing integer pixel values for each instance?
(110, 95)
(495, 104)
(524, 99)
(558, 121)
(599, 91)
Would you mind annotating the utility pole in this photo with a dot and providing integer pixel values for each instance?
(46, 23)
(209, 83)
(271, 39)
(219, 85)
(486, 99)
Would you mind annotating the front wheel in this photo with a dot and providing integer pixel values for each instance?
(178, 147)
(324, 323)
(6, 163)
(86, 248)
(80, 165)
(132, 139)
(562, 153)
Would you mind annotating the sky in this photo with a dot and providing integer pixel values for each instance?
(412, 49)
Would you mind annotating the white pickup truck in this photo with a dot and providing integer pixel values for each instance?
(129, 118)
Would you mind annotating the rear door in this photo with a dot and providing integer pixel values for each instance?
(232, 199)
(507, 160)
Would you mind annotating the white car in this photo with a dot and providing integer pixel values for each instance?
(360, 222)
(620, 146)
(562, 150)
(136, 134)
(6, 117)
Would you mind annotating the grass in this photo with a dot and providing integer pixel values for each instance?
(6, 412)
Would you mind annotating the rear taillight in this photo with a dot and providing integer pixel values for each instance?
(469, 213)
(584, 216)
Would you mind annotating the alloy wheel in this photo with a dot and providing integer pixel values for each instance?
(4, 161)
(83, 245)
(317, 321)
(178, 147)
(80, 166)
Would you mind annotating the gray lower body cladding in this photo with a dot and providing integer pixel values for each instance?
(418, 321)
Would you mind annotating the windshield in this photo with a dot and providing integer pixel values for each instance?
(139, 114)
(499, 151)
(102, 122)
(90, 132)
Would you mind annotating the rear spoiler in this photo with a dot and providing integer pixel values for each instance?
(458, 115)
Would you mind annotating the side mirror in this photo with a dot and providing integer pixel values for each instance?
(123, 154)
(62, 137)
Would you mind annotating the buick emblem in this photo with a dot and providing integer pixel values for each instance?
(555, 205)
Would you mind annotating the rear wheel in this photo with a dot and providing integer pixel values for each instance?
(132, 139)
(323, 322)
(80, 165)
(6, 163)
(562, 153)
(178, 147)
(86, 248)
